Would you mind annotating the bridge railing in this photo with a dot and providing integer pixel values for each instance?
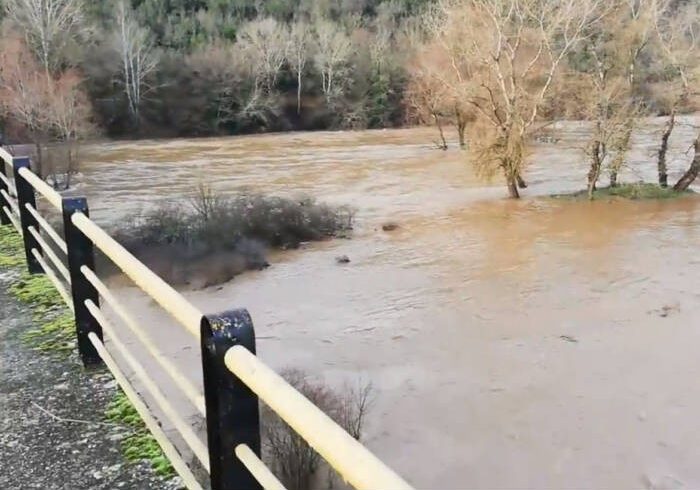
(234, 377)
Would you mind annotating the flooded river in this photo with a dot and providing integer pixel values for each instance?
(511, 344)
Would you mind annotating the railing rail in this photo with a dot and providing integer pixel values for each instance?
(234, 377)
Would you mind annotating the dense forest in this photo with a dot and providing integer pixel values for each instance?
(204, 67)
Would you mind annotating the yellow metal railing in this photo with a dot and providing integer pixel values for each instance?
(354, 462)
(181, 381)
(173, 455)
(172, 301)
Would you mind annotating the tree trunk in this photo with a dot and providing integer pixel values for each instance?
(512, 183)
(663, 150)
(38, 167)
(621, 147)
(521, 182)
(461, 127)
(442, 133)
(596, 165)
(691, 174)
(299, 92)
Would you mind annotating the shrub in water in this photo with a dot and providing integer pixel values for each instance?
(214, 238)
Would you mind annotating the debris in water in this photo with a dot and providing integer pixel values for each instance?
(568, 338)
(390, 226)
(667, 310)
(342, 259)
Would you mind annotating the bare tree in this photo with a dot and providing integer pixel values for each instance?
(23, 87)
(504, 57)
(693, 170)
(55, 111)
(49, 26)
(606, 77)
(138, 57)
(678, 33)
(267, 44)
(261, 51)
(299, 46)
(428, 98)
(632, 31)
(463, 115)
(333, 50)
(294, 460)
(69, 115)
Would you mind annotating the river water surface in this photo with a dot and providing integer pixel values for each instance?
(511, 344)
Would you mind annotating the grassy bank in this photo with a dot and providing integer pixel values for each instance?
(638, 191)
(54, 334)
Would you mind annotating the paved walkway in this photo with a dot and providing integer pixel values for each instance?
(39, 446)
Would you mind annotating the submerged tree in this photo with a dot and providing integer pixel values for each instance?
(632, 31)
(604, 77)
(504, 56)
(427, 95)
(678, 33)
(693, 170)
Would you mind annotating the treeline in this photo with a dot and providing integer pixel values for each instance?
(502, 69)
(497, 69)
(205, 67)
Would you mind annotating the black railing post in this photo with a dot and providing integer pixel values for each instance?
(233, 416)
(81, 253)
(25, 194)
(4, 219)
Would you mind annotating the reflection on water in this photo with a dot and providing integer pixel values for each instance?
(512, 344)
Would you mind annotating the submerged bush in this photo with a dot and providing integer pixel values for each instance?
(295, 463)
(215, 238)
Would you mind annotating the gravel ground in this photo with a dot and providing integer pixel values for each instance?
(52, 434)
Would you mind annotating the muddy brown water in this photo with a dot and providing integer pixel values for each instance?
(528, 344)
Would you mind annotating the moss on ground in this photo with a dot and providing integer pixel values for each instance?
(11, 248)
(37, 291)
(140, 445)
(55, 330)
(55, 334)
(638, 191)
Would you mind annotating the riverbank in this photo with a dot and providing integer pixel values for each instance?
(53, 430)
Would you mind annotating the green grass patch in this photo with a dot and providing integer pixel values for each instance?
(36, 290)
(56, 335)
(54, 330)
(140, 445)
(11, 248)
(638, 191)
